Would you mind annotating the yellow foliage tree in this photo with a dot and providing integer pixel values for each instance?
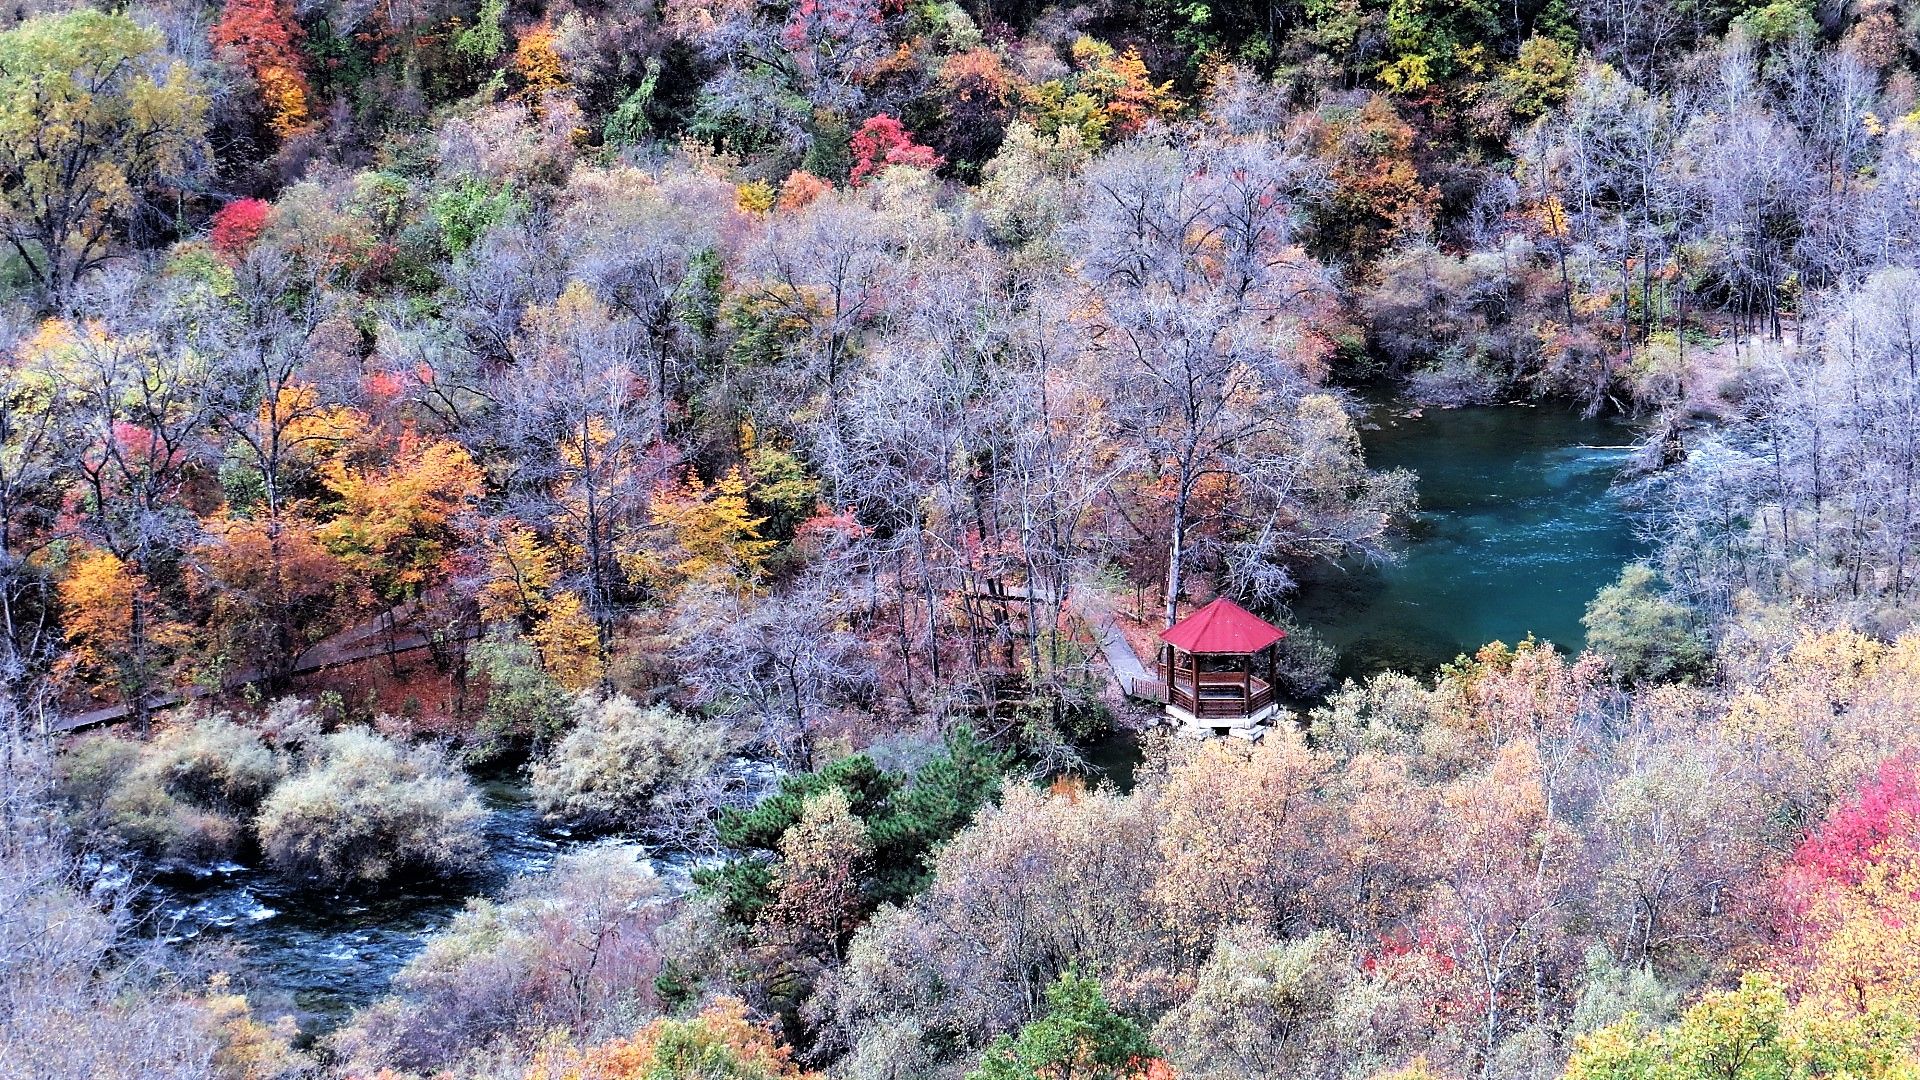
(1822, 718)
(713, 533)
(94, 119)
(315, 428)
(537, 60)
(520, 571)
(248, 1048)
(1239, 834)
(103, 602)
(1864, 941)
(754, 197)
(1750, 1033)
(396, 523)
(285, 94)
(569, 643)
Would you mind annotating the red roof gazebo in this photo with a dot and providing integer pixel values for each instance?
(1217, 668)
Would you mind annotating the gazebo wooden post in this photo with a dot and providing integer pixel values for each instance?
(1246, 684)
(1193, 662)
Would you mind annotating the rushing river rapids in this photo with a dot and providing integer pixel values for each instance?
(321, 954)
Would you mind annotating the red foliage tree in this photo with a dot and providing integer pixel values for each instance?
(1888, 805)
(1838, 852)
(882, 142)
(237, 226)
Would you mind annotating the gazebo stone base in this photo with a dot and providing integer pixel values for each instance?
(1251, 728)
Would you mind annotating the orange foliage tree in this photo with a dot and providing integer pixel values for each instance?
(264, 37)
(537, 60)
(1378, 197)
(274, 588)
(135, 411)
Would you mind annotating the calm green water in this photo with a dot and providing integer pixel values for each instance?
(1519, 525)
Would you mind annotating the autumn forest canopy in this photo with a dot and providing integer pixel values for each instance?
(649, 510)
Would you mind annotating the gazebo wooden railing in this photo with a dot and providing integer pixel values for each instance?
(1223, 695)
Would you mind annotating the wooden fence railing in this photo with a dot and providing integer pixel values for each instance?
(1223, 695)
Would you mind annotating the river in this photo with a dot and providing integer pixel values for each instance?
(1520, 522)
(319, 954)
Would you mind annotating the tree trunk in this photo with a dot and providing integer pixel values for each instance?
(1176, 555)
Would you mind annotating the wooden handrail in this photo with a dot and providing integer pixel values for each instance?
(1223, 694)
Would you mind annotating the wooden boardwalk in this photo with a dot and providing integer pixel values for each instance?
(350, 646)
(363, 642)
(1096, 610)
(1128, 671)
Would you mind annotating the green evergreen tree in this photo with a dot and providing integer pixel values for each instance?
(1080, 1038)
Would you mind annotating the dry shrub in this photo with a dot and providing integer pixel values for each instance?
(570, 951)
(185, 796)
(623, 762)
(370, 809)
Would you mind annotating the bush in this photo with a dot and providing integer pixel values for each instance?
(145, 818)
(185, 796)
(1060, 713)
(1388, 714)
(609, 771)
(1080, 1035)
(1645, 637)
(85, 778)
(369, 809)
(467, 211)
(1425, 304)
(85, 994)
(525, 706)
(571, 951)
(721, 1043)
(214, 763)
(1303, 662)
(1456, 379)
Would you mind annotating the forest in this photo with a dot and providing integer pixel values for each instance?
(612, 539)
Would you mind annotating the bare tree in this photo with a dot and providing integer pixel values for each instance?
(576, 411)
(1196, 311)
(779, 662)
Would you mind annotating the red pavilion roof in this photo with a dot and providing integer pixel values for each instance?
(1222, 627)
